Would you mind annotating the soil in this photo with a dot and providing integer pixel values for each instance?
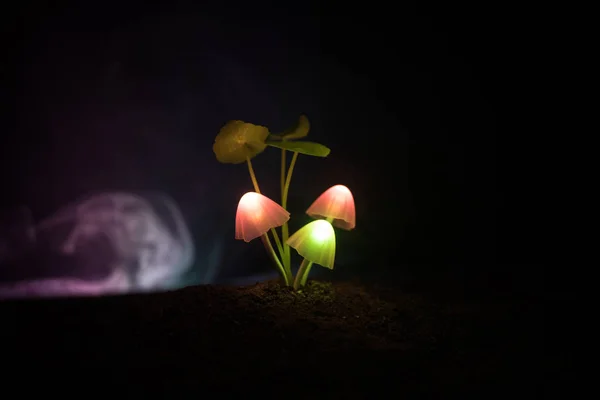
(331, 340)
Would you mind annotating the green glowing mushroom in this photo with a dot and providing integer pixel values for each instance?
(315, 242)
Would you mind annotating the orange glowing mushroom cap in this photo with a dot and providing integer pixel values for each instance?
(256, 214)
(336, 203)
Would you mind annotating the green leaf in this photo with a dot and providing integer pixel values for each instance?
(308, 148)
(299, 130)
(238, 141)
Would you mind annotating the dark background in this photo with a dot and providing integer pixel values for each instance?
(411, 100)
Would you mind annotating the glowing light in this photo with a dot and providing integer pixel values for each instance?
(256, 215)
(321, 232)
(315, 241)
(337, 204)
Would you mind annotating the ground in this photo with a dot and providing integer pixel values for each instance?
(331, 340)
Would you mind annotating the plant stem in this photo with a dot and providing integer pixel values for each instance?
(252, 176)
(286, 267)
(265, 238)
(282, 178)
(303, 270)
(282, 185)
(288, 180)
(284, 228)
(278, 243)
(305, 276)
(269, 247)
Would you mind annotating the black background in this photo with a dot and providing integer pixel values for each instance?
(412, 100)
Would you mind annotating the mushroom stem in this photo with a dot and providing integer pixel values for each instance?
(302, 274)
(269, 247)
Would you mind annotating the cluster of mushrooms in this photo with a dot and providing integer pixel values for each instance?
(239, 142)
(315, 242)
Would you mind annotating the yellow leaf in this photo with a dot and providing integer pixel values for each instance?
(238, 140)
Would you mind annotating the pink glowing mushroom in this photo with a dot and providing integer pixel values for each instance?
(336, 205)
(256, 215)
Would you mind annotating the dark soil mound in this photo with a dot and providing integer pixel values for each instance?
(328, 341)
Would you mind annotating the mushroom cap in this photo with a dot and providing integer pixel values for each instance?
(315, 241)
(337, 203)
(256, 214)
(239, 140)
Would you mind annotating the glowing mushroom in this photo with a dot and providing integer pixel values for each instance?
(315, 242)
(336, 205)
(256, 215)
